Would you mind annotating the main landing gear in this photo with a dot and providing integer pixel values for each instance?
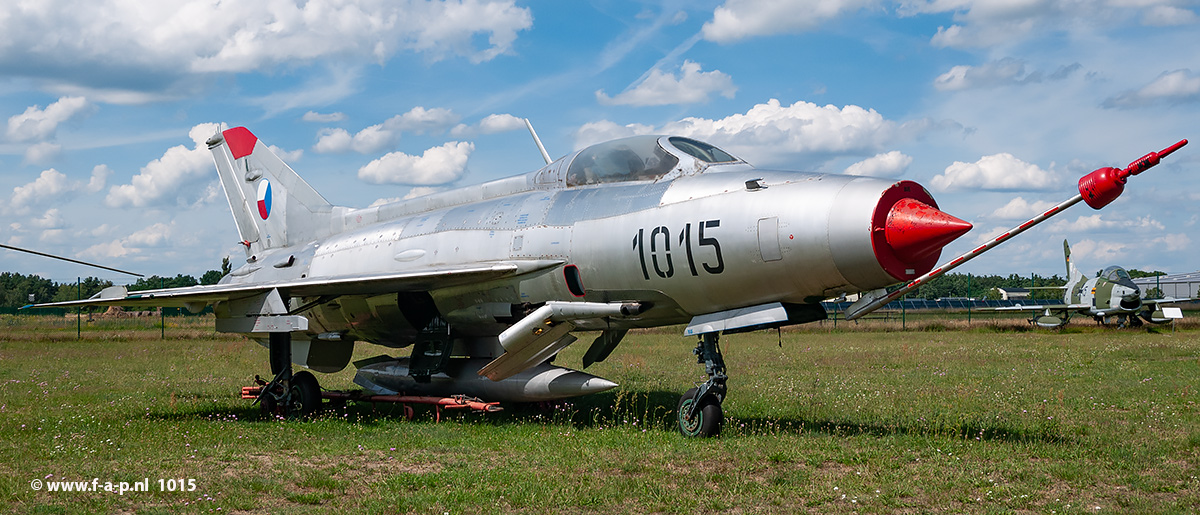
(289, 395)
(699, 412)
(1123, 320)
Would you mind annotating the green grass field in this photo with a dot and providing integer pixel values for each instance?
(942, 417)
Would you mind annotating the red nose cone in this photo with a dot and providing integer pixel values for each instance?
(915, 229)
(908, 231)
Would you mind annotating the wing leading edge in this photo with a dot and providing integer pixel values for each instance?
(1038, 307)
(365, 284)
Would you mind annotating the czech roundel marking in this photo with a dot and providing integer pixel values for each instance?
(264, 199)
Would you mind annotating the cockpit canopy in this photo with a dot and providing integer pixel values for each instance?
(639, 158)
(1118, 275)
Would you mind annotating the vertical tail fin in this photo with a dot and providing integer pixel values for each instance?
(272, 206)
(1074, 277)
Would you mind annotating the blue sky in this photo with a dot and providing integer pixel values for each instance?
(996, 106)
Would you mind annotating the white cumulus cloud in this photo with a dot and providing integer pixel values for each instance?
(1021, 209)
(995, 172)
(53, 185)
(379, 137)
(490, 124)
(53, 236)
(100, 174)
(1173, 242)
(107, 38)
(174, 178)
(420, 120)
(155, 236)
(1098, 251)
(52, 219)
(976, 23)
(986, 23)
(373, 139)
(659, 88)
(494, 123)
(775, 134)
(421, 191)
(1094, 222)
(1168, 15)
(604, 130)
(333, 141)
(369, 140)
(438, 165)
(891, 164)
(772, 128)
(37, 124)
(289, 156)
(740, 19)
(42, 152)
(991, 74)
(110, 249)
(1169, 88)
(49, 183)
(313, 116)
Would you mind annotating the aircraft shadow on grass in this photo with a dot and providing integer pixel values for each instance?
(654, 410)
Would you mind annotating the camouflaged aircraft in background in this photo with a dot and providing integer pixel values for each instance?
(1109, 297)
(487, 283)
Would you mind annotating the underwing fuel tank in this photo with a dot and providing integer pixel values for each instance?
(1049, 321)
(543, 382)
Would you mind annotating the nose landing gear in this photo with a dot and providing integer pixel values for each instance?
(699, 412)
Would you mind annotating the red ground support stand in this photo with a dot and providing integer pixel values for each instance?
(452, 402)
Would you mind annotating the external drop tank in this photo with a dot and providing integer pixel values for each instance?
(388, 376)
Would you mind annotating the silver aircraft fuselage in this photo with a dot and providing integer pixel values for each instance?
(701, 238)
(637, 232)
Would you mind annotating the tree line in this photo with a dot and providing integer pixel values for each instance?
(16, 289)
(988, 286)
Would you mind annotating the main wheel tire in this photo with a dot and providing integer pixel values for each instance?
(708, 420)
(304, 399)
(268, 404)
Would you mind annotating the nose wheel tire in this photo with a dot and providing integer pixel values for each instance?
(708, 419)
(699, 413)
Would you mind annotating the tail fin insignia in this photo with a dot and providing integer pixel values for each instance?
(264, 199)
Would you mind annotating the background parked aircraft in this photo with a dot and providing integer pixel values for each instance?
(1109, 297)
